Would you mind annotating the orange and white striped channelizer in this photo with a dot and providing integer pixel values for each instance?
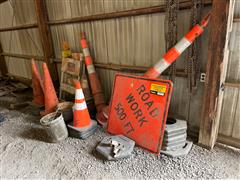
(86, 53)
(177, 50)
(93, 77)
(81, 117)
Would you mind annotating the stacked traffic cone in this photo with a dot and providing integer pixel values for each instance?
(50, 97)
(94, 82)
(82, 126)
(37, 85)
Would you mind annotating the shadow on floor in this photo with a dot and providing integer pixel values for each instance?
(38, 134)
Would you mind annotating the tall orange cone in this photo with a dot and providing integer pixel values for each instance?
(81, 117)
(51, 100)
(37, 85)
(94, 82)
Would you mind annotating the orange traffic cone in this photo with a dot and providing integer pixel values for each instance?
(37, 85)
(81, 117)
(94, 82)
(51, 100)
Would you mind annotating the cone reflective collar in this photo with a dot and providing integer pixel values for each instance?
(88, 59)
(81, 117)
(177, 50)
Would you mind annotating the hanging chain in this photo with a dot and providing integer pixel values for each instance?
(192, 67)
(172, 7)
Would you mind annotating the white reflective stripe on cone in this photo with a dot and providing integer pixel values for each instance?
(182, 45)
(86, 52)
(79, 94)
(80, 106)
(90, 69)
(161, 66)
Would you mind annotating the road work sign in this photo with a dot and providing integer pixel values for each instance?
(139, 109)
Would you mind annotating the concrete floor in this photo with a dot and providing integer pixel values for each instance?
(25, 154)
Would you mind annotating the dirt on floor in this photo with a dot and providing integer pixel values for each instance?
(26, 154)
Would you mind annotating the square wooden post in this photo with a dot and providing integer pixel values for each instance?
(46, 39)
(209, 124)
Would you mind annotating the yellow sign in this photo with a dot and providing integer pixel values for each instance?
(158, 89)
(66, 53)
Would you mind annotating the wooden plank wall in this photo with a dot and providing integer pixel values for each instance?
(229, 131)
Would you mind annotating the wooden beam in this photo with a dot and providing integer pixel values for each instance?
(128, 68)
(218, 29)
(14, 28)
(46, 39)
(232, 84)
(23, 56)
(187, 4)
(115, 67)
(236, 19)
(193, 132)
(229, 140)
(135, 69)
(3, 66)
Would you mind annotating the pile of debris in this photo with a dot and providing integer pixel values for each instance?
(12, 92)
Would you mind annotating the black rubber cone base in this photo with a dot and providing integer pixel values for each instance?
(82, 133)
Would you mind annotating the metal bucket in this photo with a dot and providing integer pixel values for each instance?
(55, 126)
(66, 109)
